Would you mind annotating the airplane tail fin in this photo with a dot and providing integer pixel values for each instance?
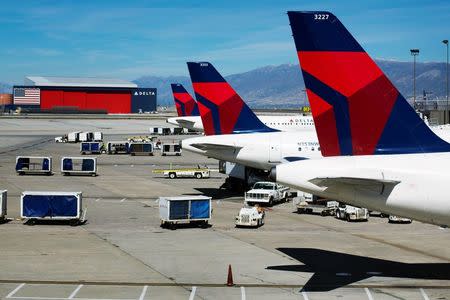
(185, 104)
(356, 109)
(222, 110)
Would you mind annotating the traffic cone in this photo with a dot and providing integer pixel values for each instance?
(230, 276)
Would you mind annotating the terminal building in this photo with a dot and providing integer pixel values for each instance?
(83, 95)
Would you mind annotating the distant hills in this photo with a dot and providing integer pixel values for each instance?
(282, 86)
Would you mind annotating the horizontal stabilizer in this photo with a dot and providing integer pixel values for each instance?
(215, 147)
(370, 185)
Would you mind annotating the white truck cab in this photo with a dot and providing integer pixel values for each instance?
(250, 217)
(352, 213)
(266, 192)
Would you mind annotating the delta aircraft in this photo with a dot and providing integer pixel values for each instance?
(188, 115)
(234, 133)
(389, 161)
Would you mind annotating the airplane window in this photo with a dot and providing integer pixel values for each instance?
(312, 148)
(299, 148)
(318, 149)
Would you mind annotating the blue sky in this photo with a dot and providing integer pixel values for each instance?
(128, 39)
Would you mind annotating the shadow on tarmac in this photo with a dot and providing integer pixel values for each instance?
(334, 270)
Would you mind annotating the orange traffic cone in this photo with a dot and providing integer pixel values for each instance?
(230, 276)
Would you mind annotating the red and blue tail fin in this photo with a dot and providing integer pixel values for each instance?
(222, 110)
(185, 104)
(356, 109)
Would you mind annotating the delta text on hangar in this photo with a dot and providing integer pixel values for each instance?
(83, 94)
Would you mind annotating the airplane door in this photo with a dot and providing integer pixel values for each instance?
(275, 153)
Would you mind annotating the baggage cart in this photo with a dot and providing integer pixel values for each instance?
(3, 205)
(119, 147)
(79, 166)
(34, 165)
(141, 148)
(90, 148)
(73, 137)
(171, 149)
(52, 206)
(98, 136)
(194, 210)
(86, 136)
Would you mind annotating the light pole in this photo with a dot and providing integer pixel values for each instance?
(446, 85)
(414, 53)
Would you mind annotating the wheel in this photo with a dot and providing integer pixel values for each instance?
(83, 153)
(198, 175)
(93, 174)
(338, 214)
(21, 173)
(172, 175)
(348, 218)
(271, 201)
(258, 223)
(383, 215)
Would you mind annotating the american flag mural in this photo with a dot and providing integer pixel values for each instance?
(27, 96)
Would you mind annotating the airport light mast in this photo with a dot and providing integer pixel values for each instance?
(414, 53)
(446, 119)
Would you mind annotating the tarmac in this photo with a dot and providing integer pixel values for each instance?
(121, 252)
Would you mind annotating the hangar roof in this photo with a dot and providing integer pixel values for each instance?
(77, 82)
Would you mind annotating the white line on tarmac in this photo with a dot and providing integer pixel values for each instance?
(144, 291)
(123, 199)
(424, 295)
(369, 295)
(75, 291)
(305, 296)
(15, 290)
(192, 295)
(242, 293)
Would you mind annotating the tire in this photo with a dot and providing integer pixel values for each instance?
(198, 175)
(172, 175)
(271, 201)
(347, 217)
(338, 214)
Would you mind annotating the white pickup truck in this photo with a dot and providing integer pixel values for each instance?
(266, 192)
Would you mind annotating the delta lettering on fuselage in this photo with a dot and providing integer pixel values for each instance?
(145, 93)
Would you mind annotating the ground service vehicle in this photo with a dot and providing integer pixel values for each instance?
(91, 147)
(52, 206)
(266, 192)
(195, 210)
(198, 172)
(308, 203)
(79, 166)
(171, 149)
(250, 217)
(397, 219)
(3, 205)
(141, 148)
(33, 165)
(351, 213)
(120, 147)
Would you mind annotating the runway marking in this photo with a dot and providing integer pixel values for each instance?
(10, 295)
(123, 199)
(75, 291)
(144, 291)
(242, 293)
(369, 295)
(192, 295)
(305, 296)
(424, 295)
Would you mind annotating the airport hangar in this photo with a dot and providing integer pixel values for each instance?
(82, 94)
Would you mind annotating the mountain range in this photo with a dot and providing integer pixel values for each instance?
(282, 86)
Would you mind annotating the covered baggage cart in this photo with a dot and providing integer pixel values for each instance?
(34, 165)
(118, 147)
(90, 148)
(3, 204)
(52, 206)
(141, 148)
(79, 166)
(185, 209)
(171, 149)
(86, 136)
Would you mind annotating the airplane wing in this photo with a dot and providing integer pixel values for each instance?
(368, 184)
(215, 147)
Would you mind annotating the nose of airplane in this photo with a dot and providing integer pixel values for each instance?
(273, 174)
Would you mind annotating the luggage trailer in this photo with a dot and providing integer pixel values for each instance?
(194, 210)
(79, 166)
(3, 205)
(34, 165)
(62, 206)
